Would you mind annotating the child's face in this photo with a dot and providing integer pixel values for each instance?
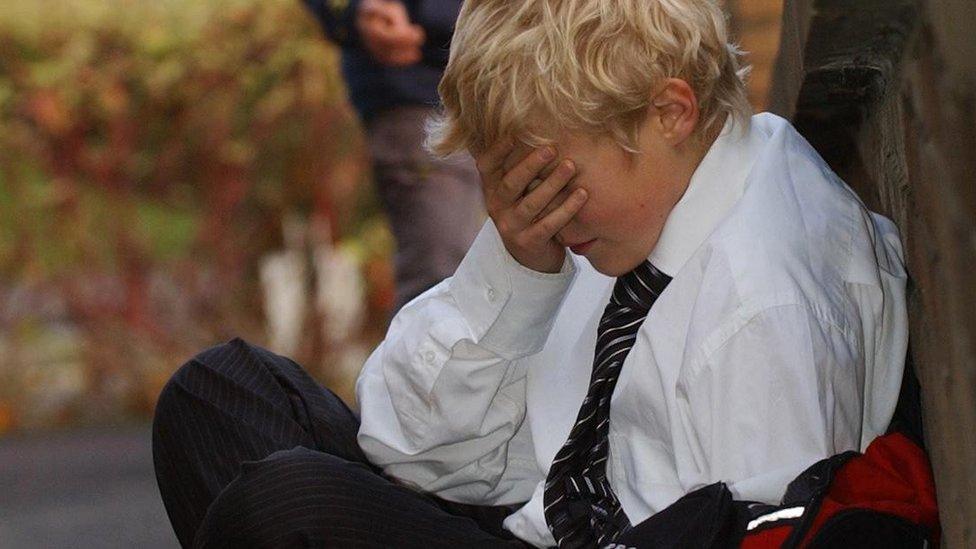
(630, 198)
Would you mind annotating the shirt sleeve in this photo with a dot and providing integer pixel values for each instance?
(771, 392)
(443, 396)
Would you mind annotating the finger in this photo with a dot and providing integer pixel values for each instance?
(538, 199)
(384, 51)
(556, 202)
(514, 182)
(418, 34)
(516, 155)
(401, 58)
(374, 11)
(490, 162)
(548, 170)
(405, 28)
(397, 13)
(374, 31)
(548, 226)
(384, 40)
(399, 55)
(391, 37)
(370, 7)
(545, 172)
(519, 152)
(368, 24)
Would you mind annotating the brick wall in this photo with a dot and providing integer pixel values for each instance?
(886, 91)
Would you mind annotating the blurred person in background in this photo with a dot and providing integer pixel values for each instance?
(393, 55)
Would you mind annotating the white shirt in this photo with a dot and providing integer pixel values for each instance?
(780, 341)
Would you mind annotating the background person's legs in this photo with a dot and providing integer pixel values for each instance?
(235, 416)
(435, 207)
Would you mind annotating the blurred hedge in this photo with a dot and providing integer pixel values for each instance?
(148, 153)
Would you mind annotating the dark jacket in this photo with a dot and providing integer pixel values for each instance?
(374, 87)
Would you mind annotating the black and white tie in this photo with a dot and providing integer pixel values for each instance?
(580, 507)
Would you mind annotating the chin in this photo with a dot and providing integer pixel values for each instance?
(611, 268)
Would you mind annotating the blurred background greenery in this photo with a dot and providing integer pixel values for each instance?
(153, 155)
(176, 173)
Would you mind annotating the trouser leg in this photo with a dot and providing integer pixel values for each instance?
(435, 207)
(236, 406)
(305, 498)
(235, 403)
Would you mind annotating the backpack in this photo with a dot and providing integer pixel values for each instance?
(883, 498)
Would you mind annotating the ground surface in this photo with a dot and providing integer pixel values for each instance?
(87, 488)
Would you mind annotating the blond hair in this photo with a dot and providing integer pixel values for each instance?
(534, 68)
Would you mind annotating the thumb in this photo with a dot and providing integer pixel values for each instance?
(418, 34)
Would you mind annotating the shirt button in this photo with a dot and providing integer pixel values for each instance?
(429, 357)
(490, 294)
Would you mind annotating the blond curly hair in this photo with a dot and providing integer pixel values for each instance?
(532, 69)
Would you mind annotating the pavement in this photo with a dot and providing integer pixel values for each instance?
(91, 488)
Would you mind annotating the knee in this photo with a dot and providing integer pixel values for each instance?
(217, 359)
(195, 377)
(291, 470)
(287, 493)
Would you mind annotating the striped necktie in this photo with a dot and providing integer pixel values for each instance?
(580, 507)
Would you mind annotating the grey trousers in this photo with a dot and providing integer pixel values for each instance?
(435, 207)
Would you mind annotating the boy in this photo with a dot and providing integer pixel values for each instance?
(727, 310)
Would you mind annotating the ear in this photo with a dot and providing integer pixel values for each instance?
(676, 110)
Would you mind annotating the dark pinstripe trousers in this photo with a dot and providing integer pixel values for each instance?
(249, 451)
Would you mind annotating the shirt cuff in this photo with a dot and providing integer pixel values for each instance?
(509, 308)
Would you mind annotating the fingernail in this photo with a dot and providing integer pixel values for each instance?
(548, 153)
(581, 194)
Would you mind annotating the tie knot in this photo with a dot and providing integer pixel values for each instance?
(639, 288)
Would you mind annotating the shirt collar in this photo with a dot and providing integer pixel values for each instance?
(716, 185)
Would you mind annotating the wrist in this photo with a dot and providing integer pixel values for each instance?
(549, 262)
(508, 306)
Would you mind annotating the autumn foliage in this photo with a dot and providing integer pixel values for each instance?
(148, 154)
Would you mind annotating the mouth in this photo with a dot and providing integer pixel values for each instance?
(582, 247)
